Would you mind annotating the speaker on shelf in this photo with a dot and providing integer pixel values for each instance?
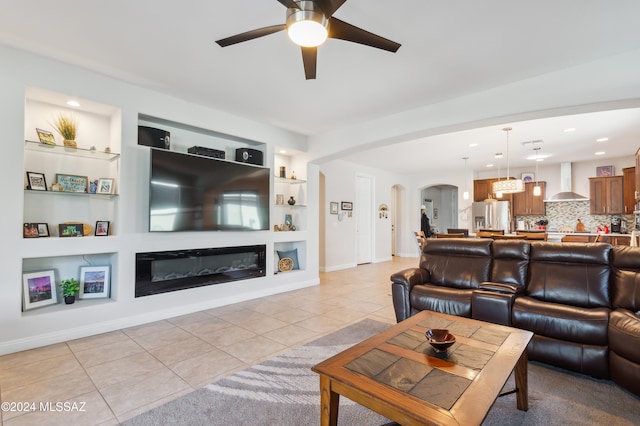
(248, 155)
(156, 138)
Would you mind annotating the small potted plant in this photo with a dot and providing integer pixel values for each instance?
(69, 289)
(67, 126)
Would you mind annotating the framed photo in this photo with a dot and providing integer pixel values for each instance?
(346, 205)
(102, 228)
(604, 171)
(528, 177)
(333, 207)
(279, 199)
(105, 186)
(36, 181)
(46, 137)
(30, 230)
(72, 183)
(43, 229)
(71, 230)
(94, 282)
(39, 289)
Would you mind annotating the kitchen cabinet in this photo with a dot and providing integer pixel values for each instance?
(483, 189)
(525, 203)
(629, 184)
(606, 195)
(637, 185)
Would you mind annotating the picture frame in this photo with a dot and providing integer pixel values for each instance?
(72, 183)
(46, 137)
(30, 230)
(36, 181)
(70, 230)
(43, 230)
(346, 205)
(528, 177)
(604, 171)
(94, 282)
(279, 199)
(333, 207)
(39, 289)
(105, 186)
(102, 228)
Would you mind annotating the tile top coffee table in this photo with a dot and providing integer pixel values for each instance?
(397, 373)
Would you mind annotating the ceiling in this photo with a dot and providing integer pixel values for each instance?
(449, 49)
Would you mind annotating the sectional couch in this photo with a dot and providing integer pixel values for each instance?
(581, 301)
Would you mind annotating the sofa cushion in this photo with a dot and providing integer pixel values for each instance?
(578, 276)
(441, 299)
(625, 283)
(586, 359)
(564, 322)
(624, 334)
(457, 263)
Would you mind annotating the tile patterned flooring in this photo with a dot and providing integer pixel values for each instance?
(111, 377)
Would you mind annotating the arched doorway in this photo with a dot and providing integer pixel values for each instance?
(441, 203)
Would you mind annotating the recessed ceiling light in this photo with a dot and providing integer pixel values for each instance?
(599, 153)
(473, 144)
(498, 155)
(489, 165)
(73, 103)
(570, 129)
(283, 151)
(602, 140)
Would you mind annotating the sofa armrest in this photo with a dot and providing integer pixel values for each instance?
(493, 306)
(401, 284)
(502, 288)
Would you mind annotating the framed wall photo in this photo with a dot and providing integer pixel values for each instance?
(36, 181)
(346, 205)
(39, 289)
(43, 229)
(528, 177)
(46, 137)
(604, 171)
(71, 230)
(105, 186)
(333, 207)
(30, 230)
(94, 282)
(72, 183)
(102, 228)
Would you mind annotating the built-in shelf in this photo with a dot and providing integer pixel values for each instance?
(65, 150)
(76, 194)
(289, 181)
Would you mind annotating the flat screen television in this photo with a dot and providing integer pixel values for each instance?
(195, 193)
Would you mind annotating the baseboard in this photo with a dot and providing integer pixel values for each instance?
(338, 267)
(32, 342)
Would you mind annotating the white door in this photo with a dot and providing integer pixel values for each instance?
(364, 219)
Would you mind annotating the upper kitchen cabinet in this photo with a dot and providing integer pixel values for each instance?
(483, 189)
(525, 203)
(606, 195)
(629, 176)
(637, 184)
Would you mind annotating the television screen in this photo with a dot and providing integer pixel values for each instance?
(194, 193)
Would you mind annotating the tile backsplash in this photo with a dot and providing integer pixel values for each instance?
(566, 214)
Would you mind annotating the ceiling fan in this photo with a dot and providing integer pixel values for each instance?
(308, 24)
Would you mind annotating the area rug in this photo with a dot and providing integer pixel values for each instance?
(284, 391)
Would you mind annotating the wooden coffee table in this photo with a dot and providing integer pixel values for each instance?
(399, 375)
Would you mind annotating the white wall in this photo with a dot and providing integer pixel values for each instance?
(44, 326)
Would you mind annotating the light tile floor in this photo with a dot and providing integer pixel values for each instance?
(111, 377)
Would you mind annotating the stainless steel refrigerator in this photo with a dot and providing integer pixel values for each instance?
(494, 215)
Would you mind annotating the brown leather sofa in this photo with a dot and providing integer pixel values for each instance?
(580, 300)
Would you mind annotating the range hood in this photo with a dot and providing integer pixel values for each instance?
(566, 193)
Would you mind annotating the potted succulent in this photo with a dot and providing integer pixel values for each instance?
(67, 126)
(69, 289)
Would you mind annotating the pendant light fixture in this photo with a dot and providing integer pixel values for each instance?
(465, 194)
(537, 191)
(508, 186)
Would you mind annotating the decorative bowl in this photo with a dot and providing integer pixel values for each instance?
(440, 339)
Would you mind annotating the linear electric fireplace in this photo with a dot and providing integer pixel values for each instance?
(161, 272)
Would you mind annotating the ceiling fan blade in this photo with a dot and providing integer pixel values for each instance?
(309, 59)
(289, 3)
(343, 31)
(250, 35)
(329, 7)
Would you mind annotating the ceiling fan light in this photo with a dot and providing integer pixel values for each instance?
(307, 33)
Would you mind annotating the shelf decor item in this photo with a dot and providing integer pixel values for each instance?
(72, 183)
(39, 289)
(67, 126)
(102, 228)
(105, 186)
(279, 199)
(36, 181)
(43, 229)
(30, 230)
(71, 230)
(94, 282)
(291, 201)
(46, 137)
(69, 288)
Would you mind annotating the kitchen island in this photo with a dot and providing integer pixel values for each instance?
(586, 237)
